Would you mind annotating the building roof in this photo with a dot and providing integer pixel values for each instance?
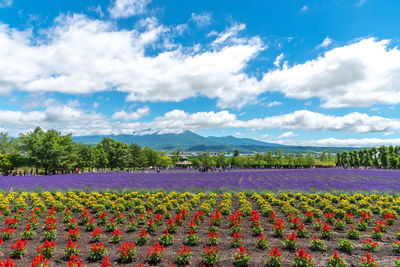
(185, 162)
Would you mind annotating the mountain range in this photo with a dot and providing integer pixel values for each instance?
(192, 142)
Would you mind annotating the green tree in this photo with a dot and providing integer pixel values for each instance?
(344, 159)
(176, 156)
(134, 152)
(393, 161)
(240, 162)
(196, 163)
(86, 156)
(310, 159)
(301, 160)
(117, 152)
(258, 158)
(100, 156)
(49, 150)
(221, 160)
(383, 156)
(5, 163)
(356, 160)
(165, 162)
(142, 161)
(366, 159)
(152, 156)
(290, 158)
(323, 156)
(351, 158)
(205, 159)
(269, 159)
(278, 158)
(8, 145)
(338, 159)
(374, 157)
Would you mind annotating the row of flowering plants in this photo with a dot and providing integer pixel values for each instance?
(156, 228)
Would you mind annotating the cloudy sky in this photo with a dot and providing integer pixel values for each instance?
(304, 72)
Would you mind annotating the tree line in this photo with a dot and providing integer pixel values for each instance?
(381, 157)
(52, 152)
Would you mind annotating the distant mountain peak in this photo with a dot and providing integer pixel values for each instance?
(191, 141)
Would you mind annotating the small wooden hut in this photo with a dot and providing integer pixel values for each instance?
(183, 162)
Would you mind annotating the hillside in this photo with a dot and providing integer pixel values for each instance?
(192, 142)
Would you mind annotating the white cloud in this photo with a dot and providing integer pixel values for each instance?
(326, 42)
(388, 133)
(262, 137)
(314, 121)
(179, 120)
(359, 74)
(287, 134)
(98, 10)
(201, 19)
(5, 3)
(95, 105)
(304, 8)
(82, 56)
(230, 34)
(63, 117)
(127, 8)
(334, 142)
(274, 103)
(131, 116)
(72, 118)
(79, 55)
(278, 59)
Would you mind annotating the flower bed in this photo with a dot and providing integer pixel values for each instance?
(224, 226)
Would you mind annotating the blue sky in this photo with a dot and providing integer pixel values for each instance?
(292, 72)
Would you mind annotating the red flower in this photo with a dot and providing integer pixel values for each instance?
(184, 250)
(116, 232)
(156, 249)
(242, 250)
(368, 258)
(74, 231)
(170, 222)
(19, 245)
(71, 244)
(275, 252)
(303, 254)
(8, 263)
(237, 235)
(309, 214)
(211, 249)
(336, 255)
(292, 237)
(96, 232)
(326, 228)
(212, 235)
(104, 214)
(74, 261)
(142, 233)
(377, 228)
(106, 262)
(126, 246)
(39, 261)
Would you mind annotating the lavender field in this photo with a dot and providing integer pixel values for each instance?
(310, 180)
